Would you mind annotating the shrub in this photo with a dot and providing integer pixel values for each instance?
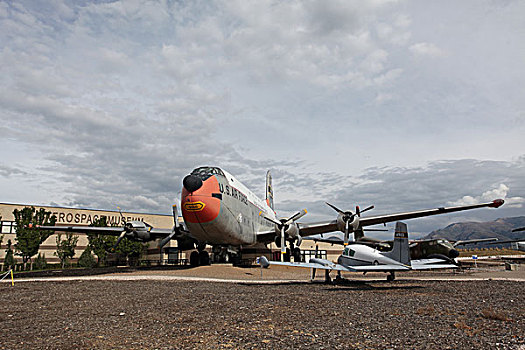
(87, 259)
(40, 262)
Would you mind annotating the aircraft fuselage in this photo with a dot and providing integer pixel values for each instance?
(222, 211)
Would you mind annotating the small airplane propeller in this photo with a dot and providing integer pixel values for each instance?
(348, 217)
(283, 225)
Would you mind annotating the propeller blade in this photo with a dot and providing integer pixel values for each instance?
(175, 214)
(347, 224)
(335, 208)
(166, 239)
(376, 229)
(283, 243)
(121, 216)
(297, 215)
(357, 210)
(366, 209)
(313, 273)
(270, 219)
(122, 235)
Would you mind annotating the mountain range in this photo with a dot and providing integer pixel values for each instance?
(499, 228)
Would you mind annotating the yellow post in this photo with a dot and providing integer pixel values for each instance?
(12, 279)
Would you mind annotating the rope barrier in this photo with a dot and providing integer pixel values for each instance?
(7, 274)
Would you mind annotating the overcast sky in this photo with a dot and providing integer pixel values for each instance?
(402, 104)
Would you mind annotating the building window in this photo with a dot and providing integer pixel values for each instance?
(7, 227)
(308, 254)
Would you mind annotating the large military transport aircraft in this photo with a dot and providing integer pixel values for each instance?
(362, 258)
(218, 210)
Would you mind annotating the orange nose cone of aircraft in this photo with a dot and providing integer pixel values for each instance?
(200, 200)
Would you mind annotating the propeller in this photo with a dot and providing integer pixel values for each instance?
(175, 229)
(125, 229)
(284, 224)
(317, 256)
(130, 228)
(348, 217)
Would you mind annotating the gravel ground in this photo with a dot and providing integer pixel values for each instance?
(404, 314)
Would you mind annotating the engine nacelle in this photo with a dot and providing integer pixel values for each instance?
(352, 225)
(137, 230)
(292, 231)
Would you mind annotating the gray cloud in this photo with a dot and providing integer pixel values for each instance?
(112, 103)
(7, 171)
(393, 189)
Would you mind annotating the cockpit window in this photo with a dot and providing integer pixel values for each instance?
(348, 251)
(205, 172)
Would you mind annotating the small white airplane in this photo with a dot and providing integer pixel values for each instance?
(362, 258)
(220, 211)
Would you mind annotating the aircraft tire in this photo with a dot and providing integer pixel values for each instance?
(296, 254)
(236, 260)
(194, 258)
(204, 258)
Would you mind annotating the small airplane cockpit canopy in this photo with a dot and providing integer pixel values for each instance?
(348, 252)
(205, 172)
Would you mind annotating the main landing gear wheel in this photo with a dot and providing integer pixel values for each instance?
(296, 254)
(204, 258)
(194, 258)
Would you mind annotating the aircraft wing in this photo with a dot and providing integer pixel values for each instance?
(104, 230)
(112, 231)
(474, 241)
(428, 264)
(266, 236)
(378, 268)
(380, 219)
(509, 241)
(317, 227)
(330, 267)
(330, 226)
(330, 237)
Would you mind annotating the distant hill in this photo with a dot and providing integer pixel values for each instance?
(500, 228)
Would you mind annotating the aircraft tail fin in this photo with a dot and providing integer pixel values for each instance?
(269, 190)
(400, 251)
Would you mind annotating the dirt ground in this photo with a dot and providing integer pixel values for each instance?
(171, 314)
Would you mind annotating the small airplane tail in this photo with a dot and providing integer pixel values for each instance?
(269, 190)
(400, 250)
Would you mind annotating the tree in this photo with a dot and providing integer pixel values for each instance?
(87, 259)
(9, 260)
(132, 250)
(100, 244)
(1, 236)
(29, 238)
(66, 247)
